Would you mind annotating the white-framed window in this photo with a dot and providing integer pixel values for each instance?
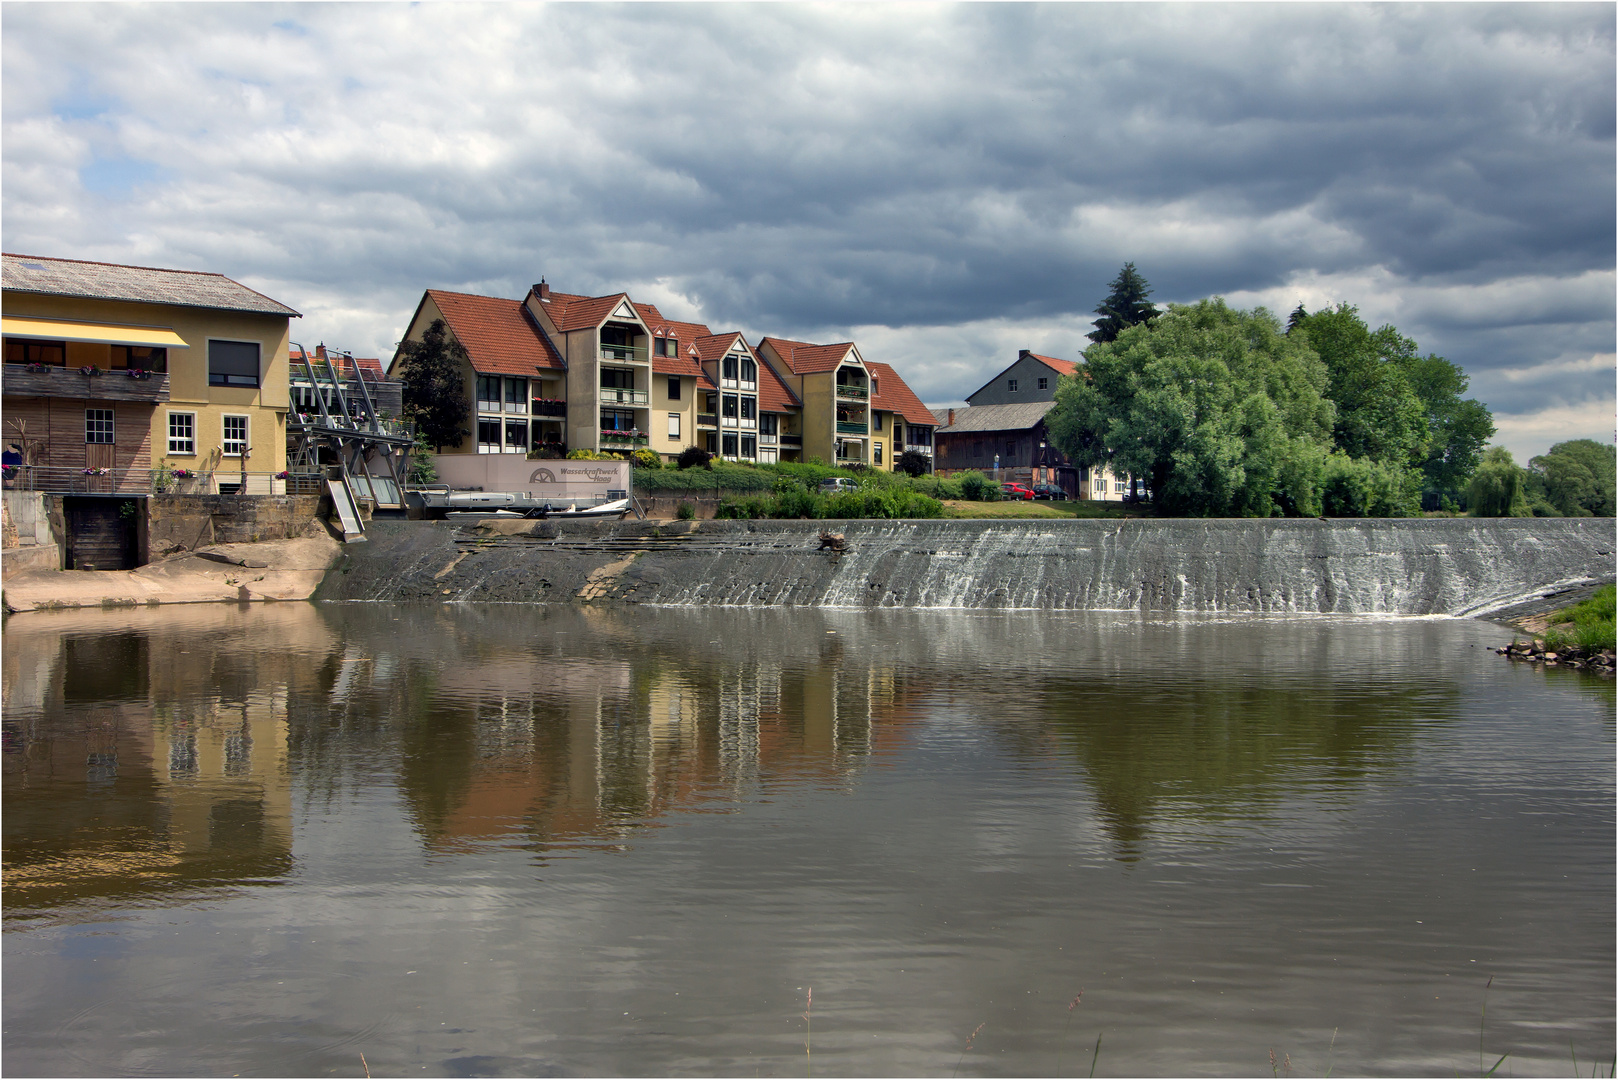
(516, 395)
(516, 437)
(749, 373)
(1011, 386)
(1120, 487)
(749, 446)
(234, 442)
(489, 394)
(749, 411)
(489, 435)
(182, 433)
(98, 425)
(233, 363)
(674, 425)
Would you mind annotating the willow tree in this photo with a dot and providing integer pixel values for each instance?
(1219, 411)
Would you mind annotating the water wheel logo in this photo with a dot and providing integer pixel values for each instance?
(542, 476)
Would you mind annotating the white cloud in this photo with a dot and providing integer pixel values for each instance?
(1529, 434)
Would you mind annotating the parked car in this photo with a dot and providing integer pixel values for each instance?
(1049, 491)
(832, 485)
(1015, 491)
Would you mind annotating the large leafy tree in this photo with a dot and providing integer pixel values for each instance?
(1575, 479)
(1125, 306)
(434, 386)
(1219, 411)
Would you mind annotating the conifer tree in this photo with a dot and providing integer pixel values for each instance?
(1124, 307)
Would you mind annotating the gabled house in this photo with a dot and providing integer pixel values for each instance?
(899, 421)
(1002, 432)
(1031, 377)
(516, 380)
(114, 371)
(834, 387)
(680, 386)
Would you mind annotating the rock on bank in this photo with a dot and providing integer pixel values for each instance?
(1454, 566)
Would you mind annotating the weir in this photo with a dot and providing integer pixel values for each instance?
(1441, 566)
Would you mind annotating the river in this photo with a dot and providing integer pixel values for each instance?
(487, 840)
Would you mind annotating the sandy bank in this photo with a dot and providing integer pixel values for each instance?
(276, 570)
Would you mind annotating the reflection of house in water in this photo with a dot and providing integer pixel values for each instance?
(561, 751)
(139, 757)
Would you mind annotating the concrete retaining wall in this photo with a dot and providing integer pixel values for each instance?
(1410, 567)
(194, 521)
(32, 532)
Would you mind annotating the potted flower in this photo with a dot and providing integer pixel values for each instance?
(90, 371)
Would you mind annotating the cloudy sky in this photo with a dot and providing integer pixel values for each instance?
(943, 184)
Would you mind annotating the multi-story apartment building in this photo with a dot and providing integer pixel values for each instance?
(113, 371)
(555, 372)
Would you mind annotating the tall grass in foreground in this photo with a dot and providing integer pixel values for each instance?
(1592, 622)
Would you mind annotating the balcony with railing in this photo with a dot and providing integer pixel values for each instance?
(850, 451)
(707, 419)
(48, 381)
(852, 427)
(617, 395)
(852, 392)
(791, 439)
(620, 439)
(548, 407)
(625, 354)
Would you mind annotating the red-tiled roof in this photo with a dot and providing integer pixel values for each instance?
(773, 394)
(1061, 367)
(684, 333)
(714, 346)
(497, 334)
(807, 359)
(570, 312)
(370, 365)
(893, 395)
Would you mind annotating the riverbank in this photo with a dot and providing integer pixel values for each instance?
(239, 573)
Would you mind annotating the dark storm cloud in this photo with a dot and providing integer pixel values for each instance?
(975, 170)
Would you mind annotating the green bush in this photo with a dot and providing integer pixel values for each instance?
(645, 458)
(939, 487)
(977, 487)
(686, 512)
(797, 501)
(694, 457)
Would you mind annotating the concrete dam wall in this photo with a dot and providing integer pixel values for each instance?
(1451, 566)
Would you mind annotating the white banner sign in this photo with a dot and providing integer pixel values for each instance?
(557, 479)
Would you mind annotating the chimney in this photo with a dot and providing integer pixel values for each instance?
(320, 351)
(1023, 354)
(542, 290)
(951, 419)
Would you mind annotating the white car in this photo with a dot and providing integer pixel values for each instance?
(833, 485)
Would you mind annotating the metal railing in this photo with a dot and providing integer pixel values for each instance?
(624, 354)
(623, 438)
(614, 395)
(707, 419)
(549, 407)
(126, 480)
(845, 427)
(789, 439)
(850, 392)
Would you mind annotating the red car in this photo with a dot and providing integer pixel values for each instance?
(1015, 491)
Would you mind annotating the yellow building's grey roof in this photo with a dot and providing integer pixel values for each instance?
(143, 284)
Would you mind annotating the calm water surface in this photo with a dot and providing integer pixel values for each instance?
(480, 841)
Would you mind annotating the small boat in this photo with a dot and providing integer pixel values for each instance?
(546, 511)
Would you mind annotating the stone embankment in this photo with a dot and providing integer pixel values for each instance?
(1453, 566)
(1599, 661)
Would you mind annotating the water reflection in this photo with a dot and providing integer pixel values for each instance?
(566, 728)
(145, 754)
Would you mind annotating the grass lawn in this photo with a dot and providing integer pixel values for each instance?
(961, 508)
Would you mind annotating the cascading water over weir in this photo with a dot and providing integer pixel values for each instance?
(1445, 566)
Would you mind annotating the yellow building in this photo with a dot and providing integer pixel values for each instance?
(113, 371)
